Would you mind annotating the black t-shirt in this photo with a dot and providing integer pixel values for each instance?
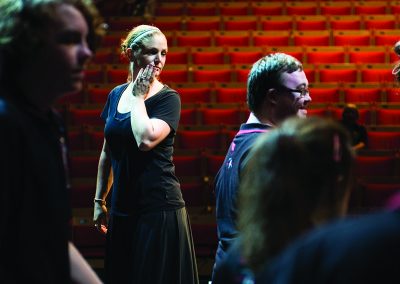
(144, 181)
(34, 198)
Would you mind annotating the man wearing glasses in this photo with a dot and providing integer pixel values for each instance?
(277, 88)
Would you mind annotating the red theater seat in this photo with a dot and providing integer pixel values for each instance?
(278, 23)
(332, 8)
(84, 166)
(360, 95)
(338, 75)
(239, 23)
(117, 74)
(98, 93)
(174, 75)
(221, 116)
(177, 57)
(73, 98)
(203, 56)
(168, 24)
(112, 39)
(169, 9)
(203, 23)
(188, 117)
(191, 38)
(94, 74)
(370, 166)
(365, 8)
(311, 23)
(266, 8)
(298, 8)
(85, 117)
(338, 23)
(103, 56)
(351, 38)
(308, 38)
(358, 56)
(229, 39)
(388, 117)
(383, 140)
(315, 56)
(379, 74)
(201, 9)
(231, 95)
(234, 9)
(212, 75)
(242, 74)
(199, 139)
(380, 23)
(122, 24)
(393, 95)
(76, 140)
(244, 57)
(324, 95)
(310, 73)
(261, 38)
(194, 95)
(386, 38)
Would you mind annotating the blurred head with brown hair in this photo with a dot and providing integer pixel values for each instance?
(297, 176)
(44, 45)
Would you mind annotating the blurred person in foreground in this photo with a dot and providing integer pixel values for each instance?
(298, 176)
(44, 45)
(358, 249)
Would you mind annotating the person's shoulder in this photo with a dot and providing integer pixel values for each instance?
(167, 90)
(352, 247)
(352, 228)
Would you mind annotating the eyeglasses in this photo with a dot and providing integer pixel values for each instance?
(303, 92)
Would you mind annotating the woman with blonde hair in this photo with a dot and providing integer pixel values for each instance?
(149, 238)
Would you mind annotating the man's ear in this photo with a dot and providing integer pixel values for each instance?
(272, 96)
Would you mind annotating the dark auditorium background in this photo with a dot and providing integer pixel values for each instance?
(345, 46)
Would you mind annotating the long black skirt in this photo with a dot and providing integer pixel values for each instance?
(151, 248)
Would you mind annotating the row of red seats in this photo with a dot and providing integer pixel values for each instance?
(249, 55)
(235, 116)
(213, 138)
(225, 73)
(235, 93)
(231, 115)
(207, 8)
(260, 23)
(212, 38)
(204, 166)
